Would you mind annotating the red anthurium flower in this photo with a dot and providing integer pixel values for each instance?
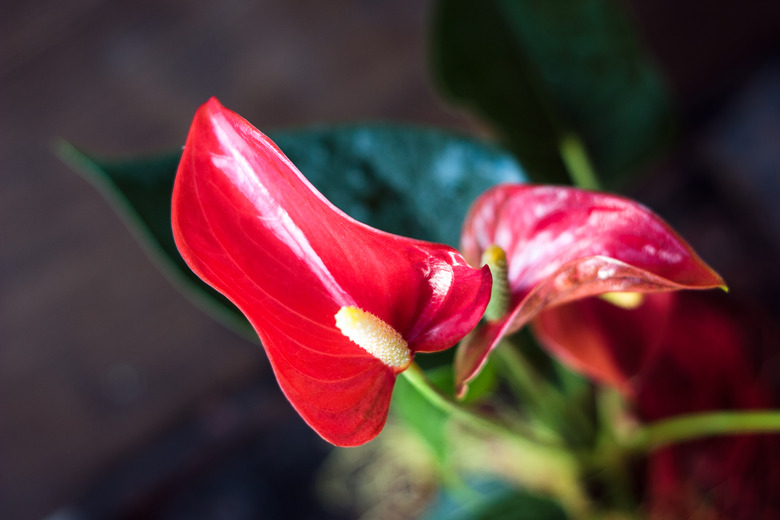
(340, 308)
(562, 244)
(703, 355)
(709, 359)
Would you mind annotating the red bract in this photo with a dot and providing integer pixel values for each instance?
(250, 225)
(563, 244)
(606, 342)
(701, 356)
(709, 360)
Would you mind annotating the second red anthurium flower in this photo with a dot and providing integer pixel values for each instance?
(341, 308)
(552, 245)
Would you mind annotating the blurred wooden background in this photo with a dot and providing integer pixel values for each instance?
(99, 355)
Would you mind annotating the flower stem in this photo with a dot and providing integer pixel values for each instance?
(549, 469)
(524, 380)
(695, 426)
(543, 398)
(576, 159)
(416, 377)
(613, 461)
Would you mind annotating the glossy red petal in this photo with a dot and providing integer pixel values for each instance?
(564, 244)
(249, 224)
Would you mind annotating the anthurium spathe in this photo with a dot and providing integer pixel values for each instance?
(341, 308)
(561, 244)
(713, 355)
(607, 342)
(676, 354)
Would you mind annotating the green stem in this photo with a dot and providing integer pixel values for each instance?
(522, 377)
(415, 375)
(576, 159)
(695, 426)
(543, 398)
(614, 462)
(549, 468)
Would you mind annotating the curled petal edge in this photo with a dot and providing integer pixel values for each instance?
(243, 216)
(577, 279)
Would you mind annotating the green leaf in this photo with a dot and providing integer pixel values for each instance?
(427, 421)
(493, 500)
(140, 190)
(541, 71)
(430, 422)
(409, 181)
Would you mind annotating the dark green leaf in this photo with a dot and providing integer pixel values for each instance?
(140, 191)
(413, 182)
(427, 421)
(542, 70)
(409, 181)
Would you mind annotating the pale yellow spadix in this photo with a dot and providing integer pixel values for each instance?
(374, 336)
(627, 300)
(495, 258)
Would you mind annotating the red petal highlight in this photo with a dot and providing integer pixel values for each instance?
(249, 224)
(563, 244)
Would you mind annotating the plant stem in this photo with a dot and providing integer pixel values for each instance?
(550, 469)
(542, 397)
(415, 375)
(695, 426)
(522, 377)
(576, 159)
(614, 461)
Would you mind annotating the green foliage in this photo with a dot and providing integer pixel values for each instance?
(494, 500)
(427, 421)
(410, 181)
(540, 71)
(140, 190)
(430, 422)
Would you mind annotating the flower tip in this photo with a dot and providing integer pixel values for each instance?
(213, 102)
(461, 390)
(493, 255)
(375, 336)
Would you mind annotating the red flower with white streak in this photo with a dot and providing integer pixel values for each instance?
(563, 244)
(341, 308)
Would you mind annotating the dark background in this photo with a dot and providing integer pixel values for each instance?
(117, 396)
